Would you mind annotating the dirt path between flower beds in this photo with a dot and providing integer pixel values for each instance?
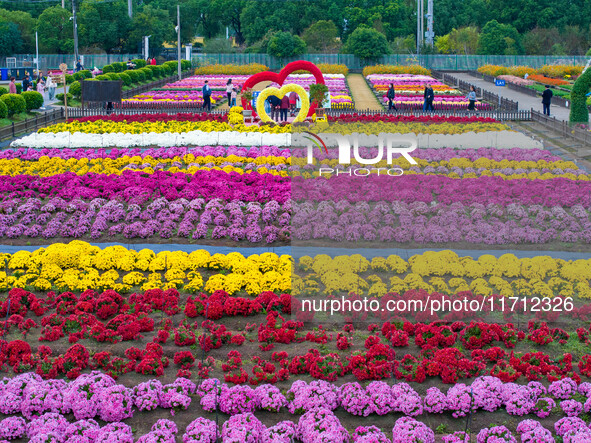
(363, 96)
(259, 87)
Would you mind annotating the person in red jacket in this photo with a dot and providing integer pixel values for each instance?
(284, 108)
(153, 62)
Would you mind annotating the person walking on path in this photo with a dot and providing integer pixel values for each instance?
(471, 97)
(12, 86)
(41, 88)
(430, 97)
(229, 87)
(425, 98)
(79, 66)
(284, 108)
(51, 85)
(547, 100)
(391, 96)
(206, 96)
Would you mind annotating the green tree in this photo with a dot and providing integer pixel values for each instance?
(103, 25)
(284, 44)
(539, 41)
(230, 12)
(442, 44)
(464, 40)
(321, 36)
(150, 21)
(11, 41)
(26, 25)
(206, 15)
(367, 43)
(55, 31)
(497, 38)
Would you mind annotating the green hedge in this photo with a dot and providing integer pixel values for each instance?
(69, 79)
(15, 103)
(107, 69)
(126, 79)
(3, 90)
(579, 113)
(33, 100)
(3, 110)
(75, 89)
(60, 96)
(135, 78)
(139, 63)
(147, 72)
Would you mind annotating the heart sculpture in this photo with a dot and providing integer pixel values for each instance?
(285, 89)
(279, 78)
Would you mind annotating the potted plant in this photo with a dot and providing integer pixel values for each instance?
(317, 95)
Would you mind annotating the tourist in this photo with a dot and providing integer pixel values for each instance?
(284, 107)
(206, 96)
(79, 66)
(391, 96)
(471, 97)
(429, 97)
(229, 88)
(233, 96)
(275, 105)
(546, 100)
(293, 98)
(50, 85)
(130, 64)
(12, 86)
(153, 62)
(26, 83)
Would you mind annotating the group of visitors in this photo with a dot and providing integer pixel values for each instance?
(278, 107)
(428, 98)
(41, 84)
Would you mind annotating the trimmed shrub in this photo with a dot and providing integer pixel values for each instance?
(579, 113)
(120, 66)
(33, 99)
(69, 79)
(108, 68)
(126, 78)
(113, 76)
(15, 103)
(102, 77)
(139, 63)
(141, 75)
(19, 88)
(3, 90)
(86, 73)
(75, 89)
(147, 72)
(133, 75)
(3, 110)
(78, 76)
(60, 96)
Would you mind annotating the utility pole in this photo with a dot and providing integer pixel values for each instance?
(63, 4)
(76, 55)
(420, 24)
(430, 34)
(178, 37)
(129, 8)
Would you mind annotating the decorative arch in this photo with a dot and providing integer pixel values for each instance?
(279, 78)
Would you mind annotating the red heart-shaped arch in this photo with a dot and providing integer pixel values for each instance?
(279, 78)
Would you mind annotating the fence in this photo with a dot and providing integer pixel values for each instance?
(500, 115)
(436, 62)
(563, 128)
(31, 124)
(495, 99)
(54, 60)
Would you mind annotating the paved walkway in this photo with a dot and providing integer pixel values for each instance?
(363, 96)
(526, 102)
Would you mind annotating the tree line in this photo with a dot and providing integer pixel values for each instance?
(367, 28)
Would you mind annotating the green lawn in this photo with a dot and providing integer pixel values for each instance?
(17, 118)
